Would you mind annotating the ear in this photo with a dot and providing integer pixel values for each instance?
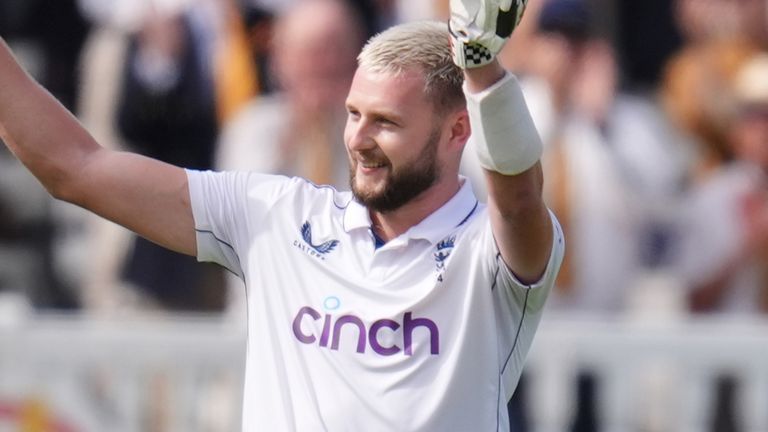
(460, 129)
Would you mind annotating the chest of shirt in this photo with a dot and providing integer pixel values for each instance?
(310, 251)
(327, 282)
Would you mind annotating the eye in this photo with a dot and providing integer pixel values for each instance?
(386, 122)
(353, 112)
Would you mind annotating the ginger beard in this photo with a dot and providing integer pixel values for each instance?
(402, 183)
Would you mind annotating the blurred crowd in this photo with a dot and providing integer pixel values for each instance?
(654, 117)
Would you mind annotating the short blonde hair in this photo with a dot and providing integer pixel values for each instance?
(422, 45)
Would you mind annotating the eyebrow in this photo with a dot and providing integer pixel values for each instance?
(378, 113)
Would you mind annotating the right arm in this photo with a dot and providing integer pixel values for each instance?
(146, 196)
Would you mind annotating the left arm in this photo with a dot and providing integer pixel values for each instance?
(519, 219)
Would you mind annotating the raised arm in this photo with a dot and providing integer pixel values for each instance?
(507, 142)
(146, 196)
(519, 218)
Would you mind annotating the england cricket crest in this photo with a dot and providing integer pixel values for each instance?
(442, 252)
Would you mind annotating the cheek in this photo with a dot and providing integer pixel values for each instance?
(349, 134)
(399, 143)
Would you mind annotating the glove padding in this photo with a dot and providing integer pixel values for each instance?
(479, 29)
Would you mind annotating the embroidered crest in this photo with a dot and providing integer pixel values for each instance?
(442, 252)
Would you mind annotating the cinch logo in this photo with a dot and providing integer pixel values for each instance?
(330, 336)
(313, 249)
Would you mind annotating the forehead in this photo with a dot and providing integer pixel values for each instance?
(403, 90)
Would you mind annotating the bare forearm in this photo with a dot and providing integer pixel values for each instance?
(519, 215)
(37, 128)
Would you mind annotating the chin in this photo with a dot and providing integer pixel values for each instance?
(371, 184)
(369, 189)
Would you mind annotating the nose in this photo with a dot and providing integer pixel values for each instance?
(357, 135)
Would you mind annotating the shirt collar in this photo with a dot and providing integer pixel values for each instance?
(435, 226)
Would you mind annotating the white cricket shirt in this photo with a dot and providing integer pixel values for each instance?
(426, 333)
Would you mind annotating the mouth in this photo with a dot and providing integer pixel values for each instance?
(369, 167)
(373, 165)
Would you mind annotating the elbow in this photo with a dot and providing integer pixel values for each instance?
(66, 178)
(62, 182)
(59, 187)
(60, 191)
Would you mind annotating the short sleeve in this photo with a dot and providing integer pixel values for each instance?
(226, 207)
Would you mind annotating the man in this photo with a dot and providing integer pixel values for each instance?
(403, 305)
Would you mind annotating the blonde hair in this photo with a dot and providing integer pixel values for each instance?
(422, 45)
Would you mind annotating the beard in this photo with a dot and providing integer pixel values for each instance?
(402, 184)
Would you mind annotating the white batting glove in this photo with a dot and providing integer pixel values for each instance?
(479, 29)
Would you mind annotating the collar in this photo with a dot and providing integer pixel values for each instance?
(434, 227)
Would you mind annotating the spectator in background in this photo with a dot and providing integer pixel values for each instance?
(724, 253)
(697, 94)
(167, 110)
(701, 97)
(717, 90)
(207, 51)
(720, 262)
(296, 130)
(697, 85)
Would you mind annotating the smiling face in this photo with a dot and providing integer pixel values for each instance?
(393, 137)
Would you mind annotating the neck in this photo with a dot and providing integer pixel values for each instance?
(389, 225)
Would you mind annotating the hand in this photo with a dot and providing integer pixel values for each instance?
(480, 28)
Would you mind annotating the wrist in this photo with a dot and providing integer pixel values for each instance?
(481, 78)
